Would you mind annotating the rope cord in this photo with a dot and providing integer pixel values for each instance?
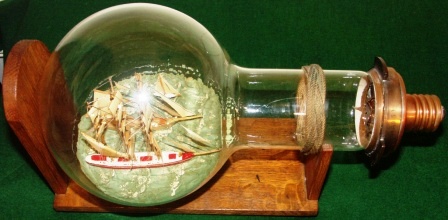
(310, 130)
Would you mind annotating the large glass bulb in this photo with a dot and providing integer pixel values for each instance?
(148, 107)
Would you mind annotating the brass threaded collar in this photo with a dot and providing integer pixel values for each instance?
(386, 111)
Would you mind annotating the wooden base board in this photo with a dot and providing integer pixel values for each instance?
(242, 187)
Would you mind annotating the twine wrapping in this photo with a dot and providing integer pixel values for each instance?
(310, 130)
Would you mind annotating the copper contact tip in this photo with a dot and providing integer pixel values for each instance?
(423, 113)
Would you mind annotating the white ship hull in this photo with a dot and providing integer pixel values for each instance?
(143, 160)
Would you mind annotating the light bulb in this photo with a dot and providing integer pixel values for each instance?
(151, 148)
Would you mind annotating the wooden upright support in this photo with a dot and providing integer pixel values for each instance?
(252, 182)
(24, 69)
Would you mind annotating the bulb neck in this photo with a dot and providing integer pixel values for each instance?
(260, 108)
(265, 107)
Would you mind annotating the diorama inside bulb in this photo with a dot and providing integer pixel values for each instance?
(150, 138)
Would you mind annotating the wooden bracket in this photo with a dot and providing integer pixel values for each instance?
(268, 182)
(24, 69)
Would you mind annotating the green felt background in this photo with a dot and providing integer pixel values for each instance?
(411, 36)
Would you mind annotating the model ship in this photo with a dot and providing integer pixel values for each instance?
(151, 104)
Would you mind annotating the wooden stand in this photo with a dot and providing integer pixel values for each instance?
(268, 182)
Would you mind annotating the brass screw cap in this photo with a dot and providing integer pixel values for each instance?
(385, 111)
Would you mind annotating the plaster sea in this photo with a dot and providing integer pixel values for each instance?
(153, 186)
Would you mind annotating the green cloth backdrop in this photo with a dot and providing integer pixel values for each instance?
(411, 35)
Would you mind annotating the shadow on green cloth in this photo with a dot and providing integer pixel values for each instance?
(410, 139)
